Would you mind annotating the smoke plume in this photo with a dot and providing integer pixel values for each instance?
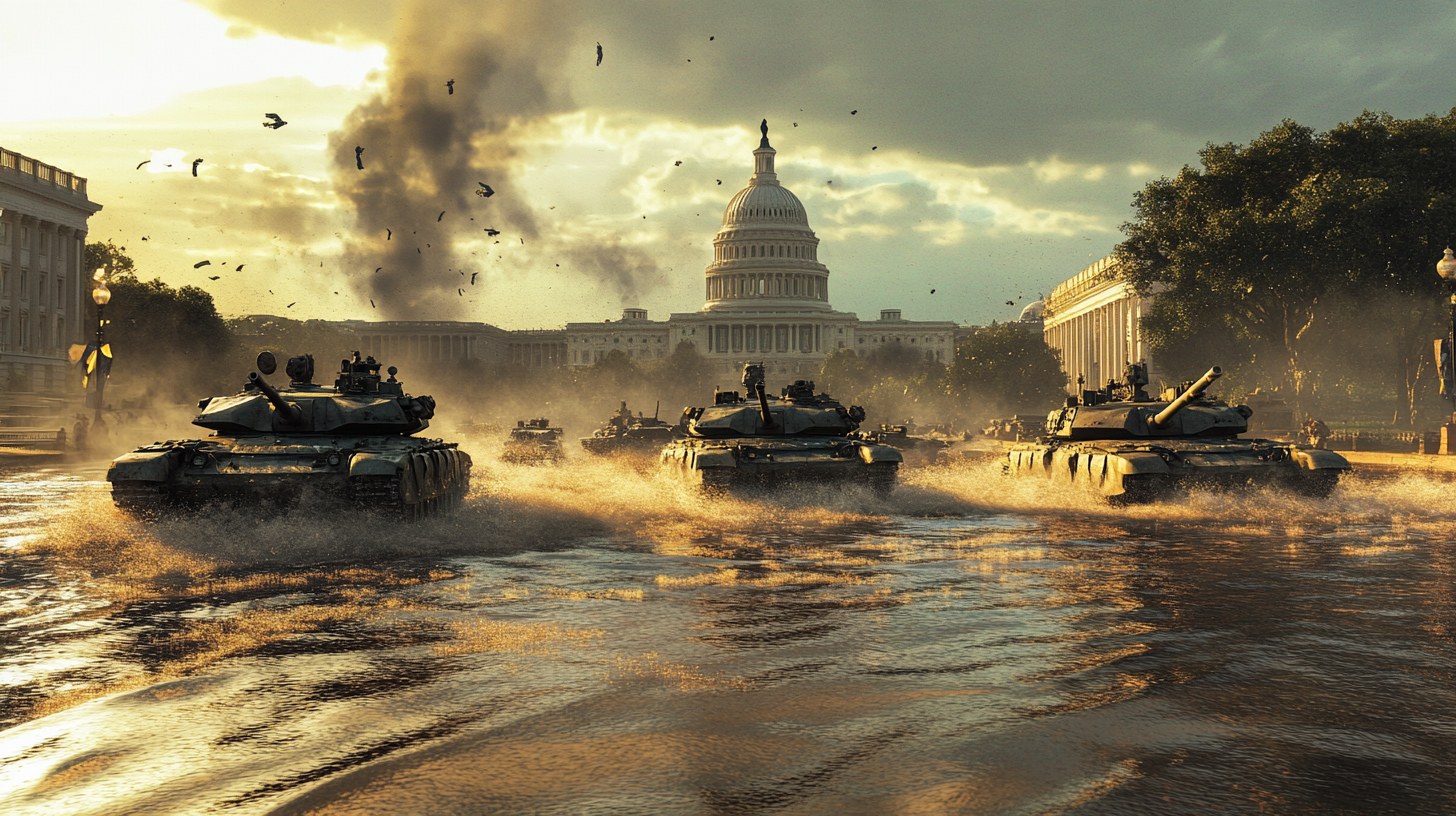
(427, 150)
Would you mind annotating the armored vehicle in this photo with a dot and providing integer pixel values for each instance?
(625, 433)
(770, 442)
(534, 442)
(353, 441)
(1132, 448)
(918, 451)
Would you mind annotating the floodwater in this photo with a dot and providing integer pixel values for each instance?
(599, 640)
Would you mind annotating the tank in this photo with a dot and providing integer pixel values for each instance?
(772, 442)
(918, 451)
(1132, 448)
(354, 442)
(533, 442)
(624, 433)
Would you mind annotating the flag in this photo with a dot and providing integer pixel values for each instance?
(95, 359)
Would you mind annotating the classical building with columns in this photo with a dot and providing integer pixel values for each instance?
(43, 213)
(1094, 321)
(766, 297)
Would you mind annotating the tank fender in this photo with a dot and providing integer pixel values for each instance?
(1139, 462)
(148, 466)
(870, 454)
(375, 464)
(715, 459)
(1317, 459)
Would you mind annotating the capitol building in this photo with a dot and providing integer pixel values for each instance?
(766, 298)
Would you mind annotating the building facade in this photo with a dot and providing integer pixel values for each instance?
(1094, 321)
(43, 285)
(766, 298)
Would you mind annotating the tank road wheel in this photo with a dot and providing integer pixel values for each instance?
(141, 499)
(882, 476)
(1141, 488)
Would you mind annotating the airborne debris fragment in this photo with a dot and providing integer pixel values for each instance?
(450, 85)
(490, 231)
(213, 277)
(359, 156)
(201, 264)
(195, 162)
(438, 217)
(148, 161)
(599, 54)
(485, 191)
(276, 123)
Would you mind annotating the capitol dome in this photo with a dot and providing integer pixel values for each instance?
(765, 257)
(1034, 311)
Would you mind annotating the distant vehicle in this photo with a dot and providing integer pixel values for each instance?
(354, 441)
(534, 442)
(625, 433)
(774, 442)
(1132, 448)
(916, 450)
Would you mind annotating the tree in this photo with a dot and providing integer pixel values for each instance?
(167, 342)
(1005, 369)
(1257, 253)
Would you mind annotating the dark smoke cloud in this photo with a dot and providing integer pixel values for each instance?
(426, 150)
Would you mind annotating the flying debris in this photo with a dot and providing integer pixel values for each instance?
(1010, 303)
(710, 39)
(290, 306)
(484, 191)
(677, 164)
(472, 277)
(359, 156)
(144, 237)
(831, 181)
(276, 123)
(148, 161)
(796, 124)
(371, 304)
(377, 270)
(932, 291)
(489, 231)
(876, 147)
(599, 55)
(240, 267)
(720, 181)
(388, 234)
(853, 112)
(213, 277)
(461, 291)
(450, 85)
(201, 264)
(438, 217)
(195, 162)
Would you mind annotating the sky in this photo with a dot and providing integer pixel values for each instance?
(956, 160)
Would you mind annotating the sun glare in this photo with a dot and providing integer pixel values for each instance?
(139, 55)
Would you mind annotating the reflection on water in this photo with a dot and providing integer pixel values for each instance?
(602, 639)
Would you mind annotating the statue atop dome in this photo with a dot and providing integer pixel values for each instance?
(762, 143)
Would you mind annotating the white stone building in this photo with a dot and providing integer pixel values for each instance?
(43, 214)
(767, 298)
(1094, 320)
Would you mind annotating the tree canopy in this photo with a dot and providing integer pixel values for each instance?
(1257, 253)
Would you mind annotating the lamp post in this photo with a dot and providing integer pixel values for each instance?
(1446, 268)
(102, 296)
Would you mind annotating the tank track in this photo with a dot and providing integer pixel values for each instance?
(385, 495)
(882, 476)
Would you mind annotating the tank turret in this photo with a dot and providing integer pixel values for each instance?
(355, 439)
(1132, 447)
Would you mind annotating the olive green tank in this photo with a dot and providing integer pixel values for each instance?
(627, 434)
(534, 442)
(1132, 448)
(354, 441)
(769, 442)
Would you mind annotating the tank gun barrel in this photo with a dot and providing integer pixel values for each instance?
(1162, 417)
(288, 413)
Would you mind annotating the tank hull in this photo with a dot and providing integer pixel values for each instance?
(719, 465)
(1126, 471)
(396, 476)
(631, 443)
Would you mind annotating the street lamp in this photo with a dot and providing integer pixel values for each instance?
(102, 296)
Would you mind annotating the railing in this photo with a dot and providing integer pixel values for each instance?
(34, 439)
(41, 171)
